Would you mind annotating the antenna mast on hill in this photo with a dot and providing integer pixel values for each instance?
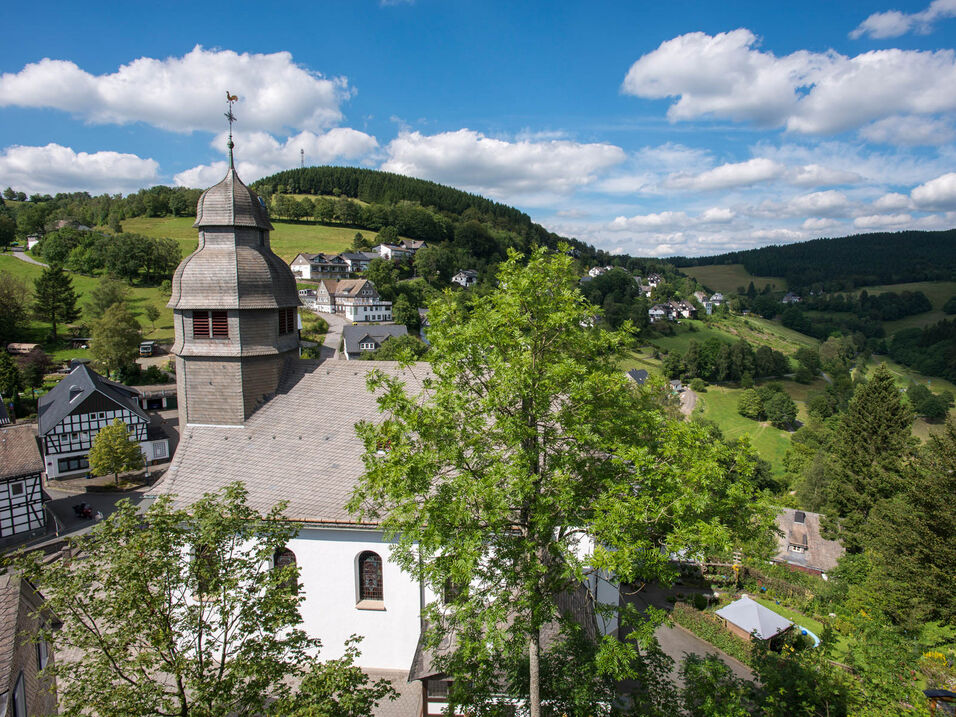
(302, 156)
(232, 118)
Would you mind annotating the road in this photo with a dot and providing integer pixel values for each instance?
(23, 256)
(688, 402)
(330, 346)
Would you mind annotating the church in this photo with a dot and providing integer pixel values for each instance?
(252, 411)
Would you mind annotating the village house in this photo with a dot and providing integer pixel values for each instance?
(74, 411)
(320, 266)
(393, 252)
(683, 309)
(790, 298)
(638, 376)
(466, 278)
(598, 271)
(701, 296)
(655, 280)
(360, 339)
(356, 299)
(717, 299)
(801, 545)
(358, 261)
(22, 657)
(660, 312)
(413, 245)
(22, 514)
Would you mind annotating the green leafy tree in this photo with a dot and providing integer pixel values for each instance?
(750, 405)
(106, 293)
(54, 299)
(35, 366)
(115, 338)
(397, 348)
(8, 231)
(152, 314)
(869, 447)
(180, 612)
(384, 275)
(528, 440)
(14, 305)
(780, 410)
(114, 450)
(405, 313)
(11, 380)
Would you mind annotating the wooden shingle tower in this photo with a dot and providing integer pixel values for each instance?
(234, 308)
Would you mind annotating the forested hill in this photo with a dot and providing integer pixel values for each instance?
(387, 189)
(845, 262)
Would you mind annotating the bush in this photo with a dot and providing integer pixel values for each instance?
(708, 628)
(698, 385)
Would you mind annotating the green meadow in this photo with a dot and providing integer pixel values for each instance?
(727, 278)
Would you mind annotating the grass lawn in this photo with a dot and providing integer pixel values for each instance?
(83, 285)
(815, 626)
(938, 292)
(719, 404)
(727, 278)
(690, 330)
(756, 330)
(288, 239)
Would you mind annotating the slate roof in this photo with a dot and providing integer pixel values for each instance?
(300, 446)
(752, 617)
(57, 404)
(639, 376)
(819, 554)
(4, 416)
(231, 204)
(355, 335)
(19, 453)
(9, 610)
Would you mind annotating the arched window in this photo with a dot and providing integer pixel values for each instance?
(370, 576)
(285, 558)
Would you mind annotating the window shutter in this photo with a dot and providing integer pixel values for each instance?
(220, 325)
(200, 324)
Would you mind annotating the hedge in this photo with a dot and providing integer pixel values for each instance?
(709, 628)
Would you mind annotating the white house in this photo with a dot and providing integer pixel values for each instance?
(465, 277)
(21, 489)
(790, 298)
(717, 299)
(393, 252)
(660, 312)
(356, 299)
(320, 266)
(654, 279)
(73, 412)
(358, 260)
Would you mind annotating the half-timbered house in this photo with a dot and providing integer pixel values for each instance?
(21, 489)
(73, 412)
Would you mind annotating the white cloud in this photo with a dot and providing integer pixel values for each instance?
(908, 131)
(725, 76)
(830, 203)
(55, 168)
(820, 224)
(881, 221)
(894, 23)
(725, 176)
(260, 154)
(939, 193)
(892, 201)
(185, 93)
(669, 221)
(533, 170)
(815, 175)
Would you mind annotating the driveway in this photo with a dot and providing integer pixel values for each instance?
(688, 402)
(23, 256)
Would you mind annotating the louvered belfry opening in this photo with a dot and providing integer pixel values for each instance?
(220, 325)
(200, 324)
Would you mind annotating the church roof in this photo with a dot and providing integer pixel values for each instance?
(300, 446)
(231, 204)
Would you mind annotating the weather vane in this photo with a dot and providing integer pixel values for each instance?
(232, 118)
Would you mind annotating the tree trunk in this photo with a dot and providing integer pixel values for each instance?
(534, 673)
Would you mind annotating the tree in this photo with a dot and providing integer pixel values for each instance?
(528, 442)
(750, 405)
(397, 348)
(191, 618)
(384, 275)
(54, 299)
(152, 313)
(912, 539)
(780, 410)
(115, 449)
(11, 380)
(106, 293)
(35, 366)
(405, 313)
(115, 338)
(869, 447)
(14, 301)
(8, 231)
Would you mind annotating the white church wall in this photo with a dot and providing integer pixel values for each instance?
(327, 559)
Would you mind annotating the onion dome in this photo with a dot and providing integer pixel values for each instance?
(231, 204)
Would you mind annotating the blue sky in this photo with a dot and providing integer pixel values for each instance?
(649, 128)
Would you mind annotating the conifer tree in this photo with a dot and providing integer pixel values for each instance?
(11, 380)
(869, 448)
(54, 298)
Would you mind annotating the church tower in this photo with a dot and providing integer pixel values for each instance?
(234, 308)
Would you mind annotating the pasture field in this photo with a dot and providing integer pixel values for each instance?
(140, 296)
(726, 278)
(288, 239)
(730, 328)
(690, 330)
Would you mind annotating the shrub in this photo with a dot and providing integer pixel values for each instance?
(698, 385)
(708, 628)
